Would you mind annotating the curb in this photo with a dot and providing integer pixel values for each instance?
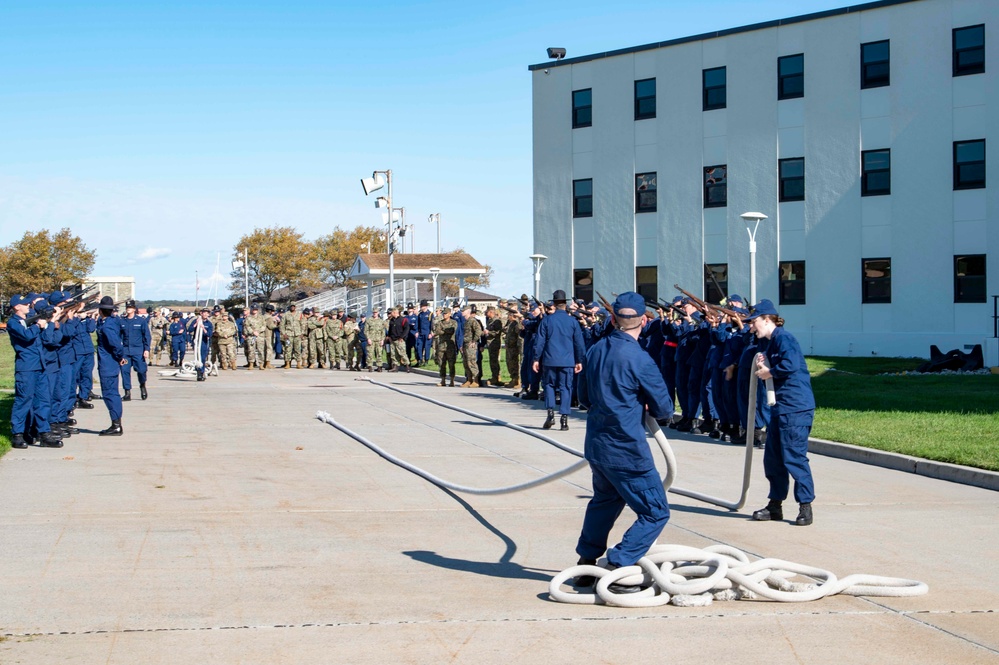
(954, 473)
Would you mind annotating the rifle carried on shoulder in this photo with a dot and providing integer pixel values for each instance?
(704, 306)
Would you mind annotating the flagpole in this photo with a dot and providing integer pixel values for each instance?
(197, 287)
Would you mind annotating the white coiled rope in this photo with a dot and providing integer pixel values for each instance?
(690, 577)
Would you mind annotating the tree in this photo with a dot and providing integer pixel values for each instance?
(278, 256)
(336, 252)
(449, 287)
(44, 262)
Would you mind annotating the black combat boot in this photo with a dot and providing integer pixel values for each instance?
(685, 425)
(773, 512)
(83, 404)
(584, 581)
(50, 440)
(551, 419)
(114, 430)
(564, 424)
(451, 381)
(17, 441)
(804, 514)
(127, 397)
(142, 391)
(760, 438)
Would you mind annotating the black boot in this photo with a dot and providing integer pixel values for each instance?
(17, 441)
(114, 430)
(83, 404)
(142, 391)
(127, 397)
(551, 419)
(564, 424)
(50, 440)
(760, 438)
(92, 396)
(685, 425)
(584, 581)
(773, 511)
(804, 515)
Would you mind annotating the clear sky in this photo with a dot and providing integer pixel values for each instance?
(162, 131)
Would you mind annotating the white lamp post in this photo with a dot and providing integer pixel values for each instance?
(538, 260)
(378, 180)
(434, 272)
(245, 265)
(435, 218)
(752, 220)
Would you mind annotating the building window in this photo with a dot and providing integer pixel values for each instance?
(645, 192)
(969, 50)
(645, 99)
(715, 281)
(969, 164)
(792, 282)
(969, 278)
(877, 280)
(791, 76)
(875, 64)
(582, 284)
(875, 179)
(647, 282)
(715, 186)
(582, 108)
(792, 179)
(714, 88)
(582, 198)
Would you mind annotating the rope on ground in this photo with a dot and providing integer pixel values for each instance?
(690, 577)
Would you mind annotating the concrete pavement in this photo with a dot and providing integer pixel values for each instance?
(229, 525)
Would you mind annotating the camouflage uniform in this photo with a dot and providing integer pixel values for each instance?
(226, 331)
(317, 341)
(375, 329)
(353, 341)
(158, 325)
(514, 346)
(271, 323)
(291, 334)
(473, 331)
(214, 354)
(334, 338)
(255, 329)
(444, 332)
(494, 340)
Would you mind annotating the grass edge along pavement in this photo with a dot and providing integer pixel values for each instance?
(943, 418)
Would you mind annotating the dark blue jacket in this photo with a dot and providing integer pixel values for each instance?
(791, 379)
(110, 350)
(619, 381)
(559, 342)
(424, 326)
(67, 348)
(27, 344)
(82, 342)
(52, 338)
(135, 335)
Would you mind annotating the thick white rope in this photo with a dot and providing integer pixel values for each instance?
(690, 577)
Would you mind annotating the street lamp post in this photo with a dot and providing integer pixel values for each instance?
(752, 220)
(245, 265)
(538, 260)
(434, 272)
(378, 180)
(436, 218)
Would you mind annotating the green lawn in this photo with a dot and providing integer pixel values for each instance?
(7, 395)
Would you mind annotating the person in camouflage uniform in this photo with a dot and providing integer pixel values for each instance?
(353, 339)
(334, 340)
(473, 331)
(271, 323)
(494, 341)
(375, 329)
(158, 325)
(291, 336)
(445, 329)
(255, 329)
(316, 326)
(225, 331)
(341, 345)
(514, 345)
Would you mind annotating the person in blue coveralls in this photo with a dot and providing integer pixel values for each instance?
(558, 347)
(786, 450)
(83, 366)
(423, 329)
(201, 322)
(620, 383)
(110, 359)
(137, 339)
(178, 339)
(31, 391)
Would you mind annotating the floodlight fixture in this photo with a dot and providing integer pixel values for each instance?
(556, 53)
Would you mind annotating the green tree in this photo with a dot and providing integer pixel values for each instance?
(336, 252)
(44, 262)
(278, 257)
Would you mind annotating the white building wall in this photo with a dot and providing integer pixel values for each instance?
(920, 226)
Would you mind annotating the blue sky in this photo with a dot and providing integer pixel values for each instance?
(160, 132)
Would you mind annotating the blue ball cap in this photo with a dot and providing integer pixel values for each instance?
(629, 304)
(678, 301)
(18, 300)
(56, 297)
(32, 297)
(736, 297)
(763, 308)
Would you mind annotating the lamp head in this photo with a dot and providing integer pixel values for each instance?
(752, 217)
(374, 183)
(556, 53)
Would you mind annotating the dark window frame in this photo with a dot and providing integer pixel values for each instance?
(709, 189)
(643, 288)
(582, 291)
(582, 114)
(579, 210)
(788, 182)
(959, 167)
(871, 284)
(712, 293)
(707, 92)
(970, 288)
(866, 174)
(792, 291)
(978, 66)
(639, 99)
(868, 78)
(786, 88)
(642, 196)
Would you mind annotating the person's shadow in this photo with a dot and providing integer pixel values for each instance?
(505, 567)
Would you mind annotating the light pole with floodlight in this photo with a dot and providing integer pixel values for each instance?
(435, 218)
(378, 180)
(245, 265)
(434, 272)
(752, 220)
(538, 260)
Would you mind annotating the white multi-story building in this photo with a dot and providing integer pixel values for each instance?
(860, 132)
